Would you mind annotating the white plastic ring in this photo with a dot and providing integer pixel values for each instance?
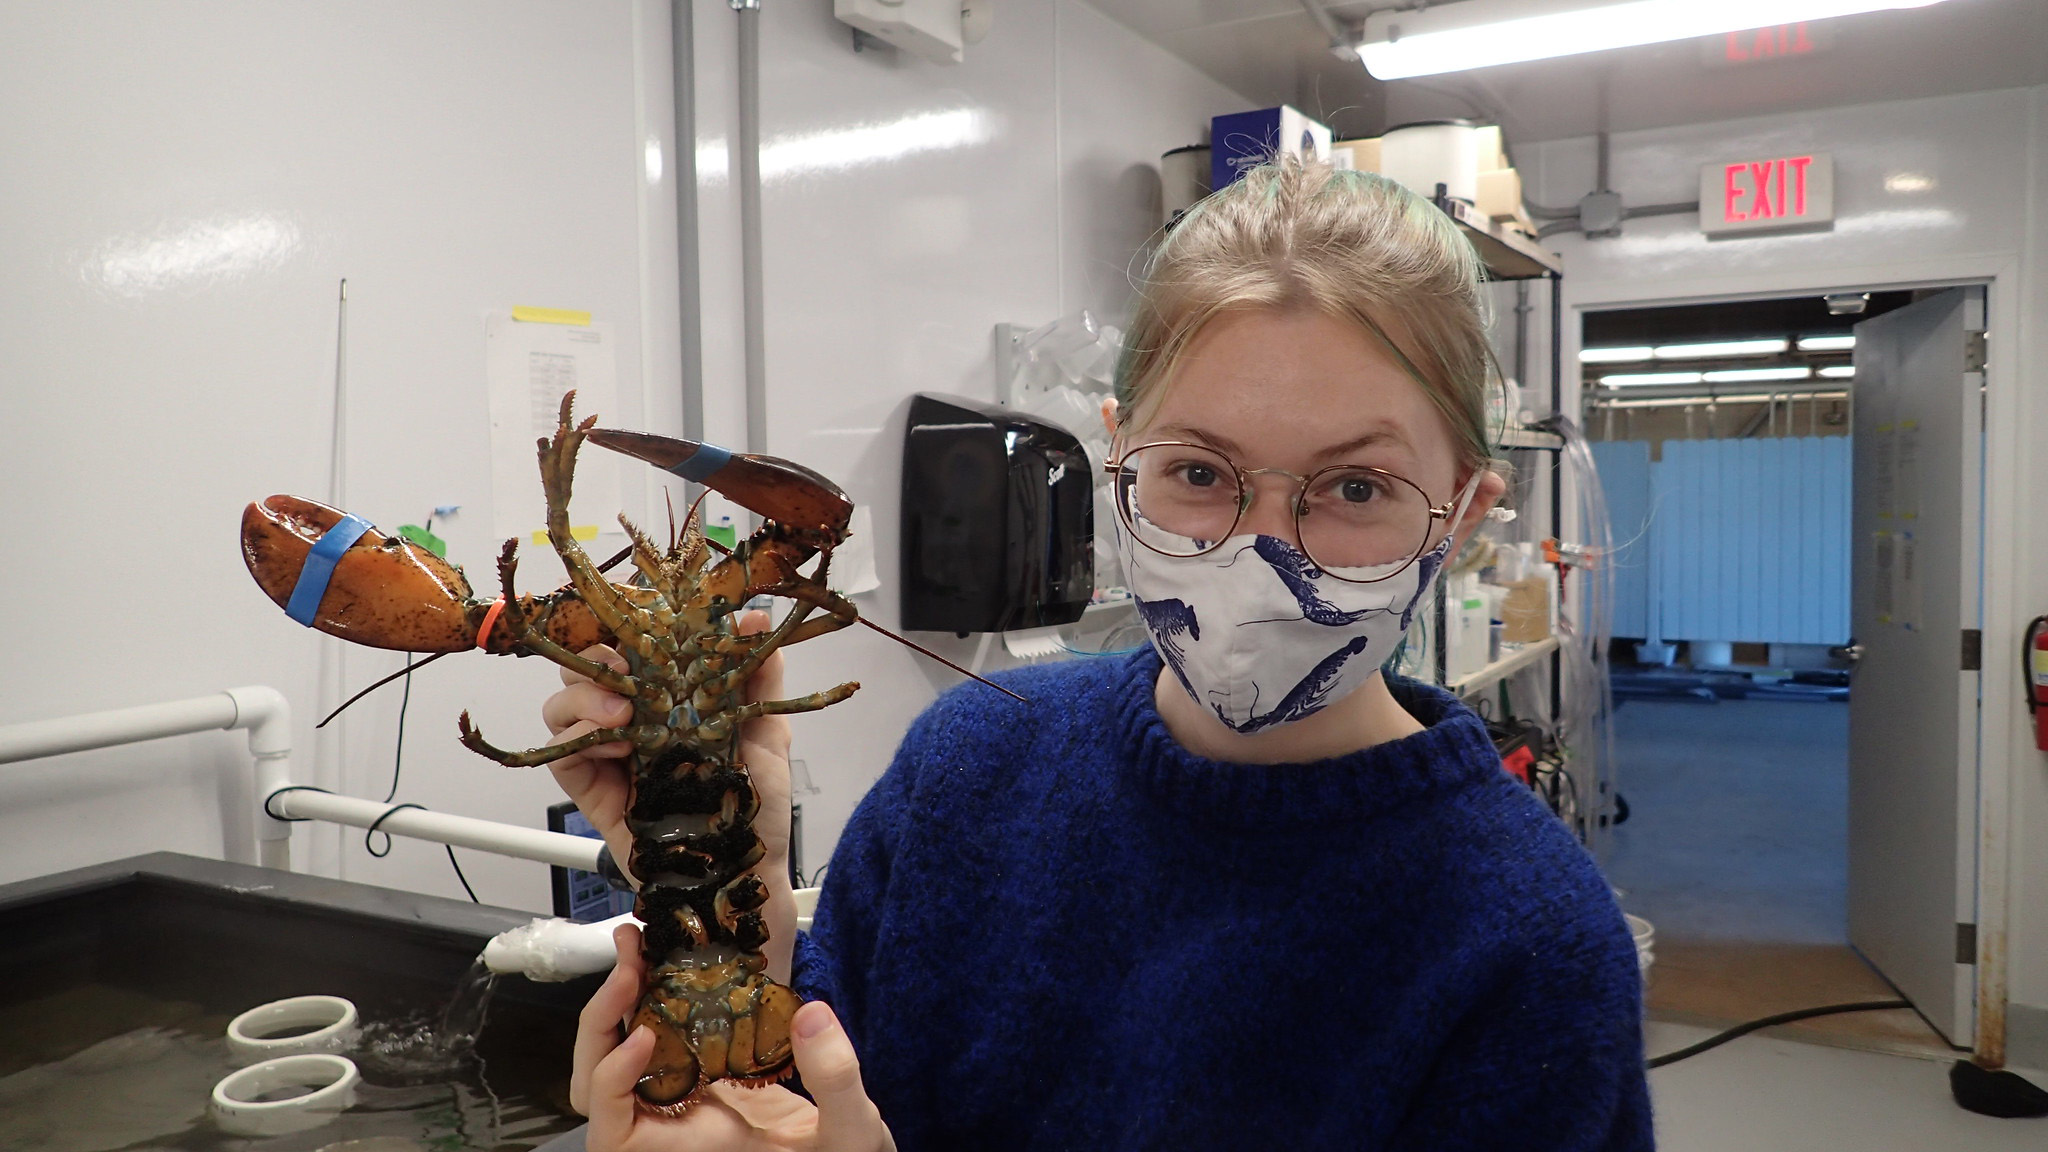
(254, 1035)
(239, 1107)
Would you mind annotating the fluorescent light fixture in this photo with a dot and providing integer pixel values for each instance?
(1839, 372)
(1624, 379)
(1615, 355)
(1826, 343)
(1909, 182)
(1742, 375)
(1721, 348)
(1468, 34)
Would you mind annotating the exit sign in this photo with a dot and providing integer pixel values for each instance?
(1781, 193)
(1764, 45)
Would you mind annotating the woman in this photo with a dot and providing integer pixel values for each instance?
(1239, 889)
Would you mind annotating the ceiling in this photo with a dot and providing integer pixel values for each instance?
(1272, 52)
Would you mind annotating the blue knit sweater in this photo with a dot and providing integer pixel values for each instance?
(1052, 927)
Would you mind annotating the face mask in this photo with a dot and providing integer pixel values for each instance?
(1261, 636)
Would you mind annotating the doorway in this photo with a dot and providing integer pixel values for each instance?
(1744, 483)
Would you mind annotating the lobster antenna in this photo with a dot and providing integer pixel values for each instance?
(409, 668)
(915, 646)
(405, 671)
(910, 644)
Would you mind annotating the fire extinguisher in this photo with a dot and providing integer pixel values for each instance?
(2034, 674)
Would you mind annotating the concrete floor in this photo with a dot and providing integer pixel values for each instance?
(1739, 819)
(1763, 1094)
(1736, 849)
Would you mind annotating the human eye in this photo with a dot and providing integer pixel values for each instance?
(1351, 487)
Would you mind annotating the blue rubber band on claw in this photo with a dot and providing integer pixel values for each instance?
(319, 568)
(708, 459)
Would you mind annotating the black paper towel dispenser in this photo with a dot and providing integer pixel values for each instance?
(998, 519)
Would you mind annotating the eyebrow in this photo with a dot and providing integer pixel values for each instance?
(1383, 434)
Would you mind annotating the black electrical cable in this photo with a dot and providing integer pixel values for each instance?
(1720, 1038)
(398, 767)
(272, 813)
(448, 848)
(373, 829)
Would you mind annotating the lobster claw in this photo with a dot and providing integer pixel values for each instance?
(384, 591)
(781, 490)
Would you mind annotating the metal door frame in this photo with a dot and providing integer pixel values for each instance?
(2004, 731)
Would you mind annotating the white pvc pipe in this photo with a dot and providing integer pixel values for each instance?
(556, 848)
(262, 711)
(39, 738)
(553, 950)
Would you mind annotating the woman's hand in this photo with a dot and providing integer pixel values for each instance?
(597, 779)
(728, 1118)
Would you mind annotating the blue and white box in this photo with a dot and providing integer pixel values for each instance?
(1242, 139)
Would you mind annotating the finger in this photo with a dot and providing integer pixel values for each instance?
(603, 654)
(767, 680)
(584, 702)
(831, 1072)
(611, 1105)
(597, 1026)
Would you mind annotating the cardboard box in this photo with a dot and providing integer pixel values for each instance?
(1493, 152)
(1529, 611)
(1364, 154)
(1500, 194)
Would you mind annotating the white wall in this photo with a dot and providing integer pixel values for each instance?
(451, 160)
(886, 274)
(186, 185)
(1980, 221)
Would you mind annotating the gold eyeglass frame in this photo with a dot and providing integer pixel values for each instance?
(1245, 495)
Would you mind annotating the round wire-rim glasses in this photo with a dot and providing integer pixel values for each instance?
(1125, 478)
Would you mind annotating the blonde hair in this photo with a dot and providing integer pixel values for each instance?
(1356, 245)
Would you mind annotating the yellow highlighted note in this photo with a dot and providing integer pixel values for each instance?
(551, 316)
(583, 532)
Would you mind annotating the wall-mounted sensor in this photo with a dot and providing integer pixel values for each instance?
(936, 30)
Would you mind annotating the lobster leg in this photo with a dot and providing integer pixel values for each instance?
(532, 638)
(640, 735)
(719, 727)
(557, 471)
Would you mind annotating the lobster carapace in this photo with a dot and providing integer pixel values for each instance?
(715, 1012)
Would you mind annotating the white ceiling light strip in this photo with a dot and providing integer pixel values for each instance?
(1716, 348)
(1744, 375)
(1625, 379)
(1826, 343)
(1616, 355)
(1469, 34)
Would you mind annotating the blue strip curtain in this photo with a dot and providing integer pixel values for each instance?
(1740, 540)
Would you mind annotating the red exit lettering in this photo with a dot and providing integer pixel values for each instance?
(1766, 43)
(1765, 189)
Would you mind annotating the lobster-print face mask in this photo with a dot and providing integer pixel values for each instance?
(1260, 636)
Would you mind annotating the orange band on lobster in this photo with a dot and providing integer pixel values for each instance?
(483, 634)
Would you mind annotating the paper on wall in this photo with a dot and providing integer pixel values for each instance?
(853, 562)
(529, 366)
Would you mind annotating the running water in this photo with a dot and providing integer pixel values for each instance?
(464, 1016)
(417, 1048)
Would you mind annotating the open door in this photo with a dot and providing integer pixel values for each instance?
(1913, 728)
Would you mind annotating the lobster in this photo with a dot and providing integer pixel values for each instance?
(715, 1012)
